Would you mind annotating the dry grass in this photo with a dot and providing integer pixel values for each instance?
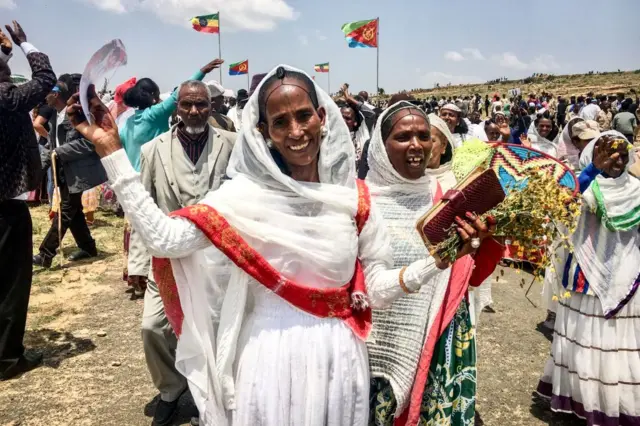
(565, 85)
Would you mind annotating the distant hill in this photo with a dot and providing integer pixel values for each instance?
(566, 85)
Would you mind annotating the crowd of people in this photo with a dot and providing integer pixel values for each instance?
(281, 289)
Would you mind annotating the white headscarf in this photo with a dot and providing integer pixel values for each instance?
(549, 147)
(566, 149)
(606, 242)
(399, 332)
(295, 225)
(443, 173)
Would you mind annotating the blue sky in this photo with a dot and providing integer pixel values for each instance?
(421, 41)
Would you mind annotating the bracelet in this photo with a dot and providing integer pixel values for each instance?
(403, 286)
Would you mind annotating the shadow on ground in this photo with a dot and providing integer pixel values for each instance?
(57, 346)
(541, 410)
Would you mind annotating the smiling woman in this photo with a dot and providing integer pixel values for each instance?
(300, 248)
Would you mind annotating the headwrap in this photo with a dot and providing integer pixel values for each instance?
(567, 151)
(215, 88)
(541, 143)
(452, 107)
(122, 88)
(443, 173)
(409, 320)
(381, 171)
(606, 242)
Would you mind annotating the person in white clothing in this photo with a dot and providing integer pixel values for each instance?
(285, 345)
(457, 126)
(235, 112)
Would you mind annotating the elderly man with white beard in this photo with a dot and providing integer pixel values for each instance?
(177, 168)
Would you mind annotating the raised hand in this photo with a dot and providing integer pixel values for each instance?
(5, 43)
(602, 156)
(212, 66)
(525, 141)
(103, 133)
(17, 33)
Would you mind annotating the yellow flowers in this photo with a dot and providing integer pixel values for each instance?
(533, 220)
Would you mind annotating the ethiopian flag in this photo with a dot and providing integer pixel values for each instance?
(322, 67)
(239, 68)
(207, 23)
(361, 33)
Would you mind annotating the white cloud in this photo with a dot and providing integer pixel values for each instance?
(320, 36)
(544, 63)
(431, 78)
(510, 60)
(7, 4)
(238, 14)
(541, 63)
(453, 56)
(473, 53)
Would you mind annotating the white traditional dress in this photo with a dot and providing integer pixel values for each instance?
(250, 357)
(594, 367)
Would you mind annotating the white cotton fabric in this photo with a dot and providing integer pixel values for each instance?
(249, 356)
(595, 361)
(399, 333)
(609, 260)
(566, 149)
(590, 112)
(549, 147)
(361, 136)
(235, 114)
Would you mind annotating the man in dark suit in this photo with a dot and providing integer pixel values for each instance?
(81, 170)
(20, 172)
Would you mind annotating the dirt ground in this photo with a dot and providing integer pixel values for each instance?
(87, 379)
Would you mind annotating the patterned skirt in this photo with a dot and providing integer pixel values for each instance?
(450, 395)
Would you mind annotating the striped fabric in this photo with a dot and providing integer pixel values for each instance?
(573, 278)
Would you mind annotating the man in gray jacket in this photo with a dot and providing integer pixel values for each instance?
(178, 168)
(81, 170)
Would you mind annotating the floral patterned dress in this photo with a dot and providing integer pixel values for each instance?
(450, 395)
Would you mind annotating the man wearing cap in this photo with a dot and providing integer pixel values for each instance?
(178, 168)
(20, 172)
(584, 132)
(218, 119)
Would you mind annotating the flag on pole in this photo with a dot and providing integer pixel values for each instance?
(207, 23)
(239, 68)
(322, 67)
(361, 33)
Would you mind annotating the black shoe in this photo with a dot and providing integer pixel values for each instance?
(26, 362)
(80, 255)
(164, 412)
(40, 260)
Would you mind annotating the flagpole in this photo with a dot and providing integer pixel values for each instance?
(329, 80)
(378, 56)
(219, 47)
(248, 82)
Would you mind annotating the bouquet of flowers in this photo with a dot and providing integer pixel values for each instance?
(537, 211)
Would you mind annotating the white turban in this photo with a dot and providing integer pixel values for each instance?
(452, 107)
(215, 88)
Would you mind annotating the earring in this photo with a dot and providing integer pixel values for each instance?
(323, 131)
(269, 143)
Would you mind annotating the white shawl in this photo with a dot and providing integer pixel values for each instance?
(609, 259)
(566, 149)
(295, 225)
(549, 147)
(399, 333)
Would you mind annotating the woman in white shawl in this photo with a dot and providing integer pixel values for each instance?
(543, 135)
(422, 350)
(458, 127)
(357, 128)
(594, 368)
(285, 344)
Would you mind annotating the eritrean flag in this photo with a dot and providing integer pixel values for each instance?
(239, 68)
(207, 23)
(322, 67)
(361, 33)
